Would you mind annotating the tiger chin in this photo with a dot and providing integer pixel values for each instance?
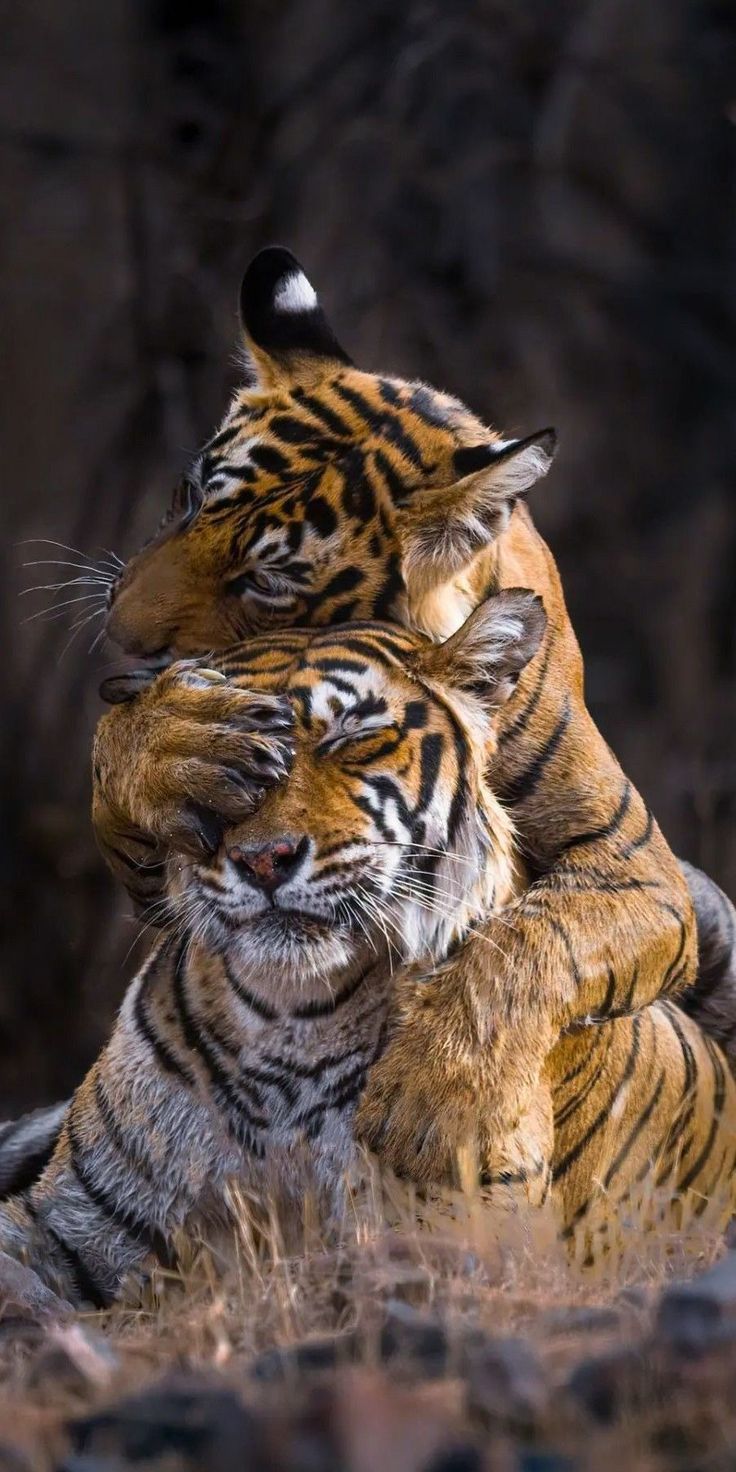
(243, 1045)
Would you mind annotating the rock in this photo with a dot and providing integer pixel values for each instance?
(506, 1385)
(610, 1385)
(702, 1310)
(312, 1357)
(416, 1340)
(188, 1425)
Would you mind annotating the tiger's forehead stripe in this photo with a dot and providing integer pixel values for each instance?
(350, 413)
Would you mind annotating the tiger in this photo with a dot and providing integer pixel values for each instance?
(244, 1043)
(331, 494)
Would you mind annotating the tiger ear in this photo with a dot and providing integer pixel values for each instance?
(286, 331)
(443, 530)
(489, 651)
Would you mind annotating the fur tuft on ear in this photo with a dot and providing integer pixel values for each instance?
(526, 460)
(443, 530)
(281, 315)
(488, 653)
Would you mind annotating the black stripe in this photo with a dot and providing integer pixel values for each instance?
(383, 651)
(634, 1133)
(587, 880)
(669, 975)
(606, 830)
(310, 1010)
(112, 1128)
(313, 1070)
(512, 1177)
(524, 716)
(522, 786)
(331, 662)
(230, 1090)
(324, 413)
(701, 1159)
(256, 1004)
(86, 1285)
(572, 1105)
(610, 993)
(166, 1056)
(430, 759)
(631, 848)
(579, 1067)
(561, 931)
(384, 424)
(568, 1160)
(688, 1096)
(126, 1221)
(393, 480)
(341, 1093)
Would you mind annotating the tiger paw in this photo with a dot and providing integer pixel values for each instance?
(191, 754)
(420, 1108)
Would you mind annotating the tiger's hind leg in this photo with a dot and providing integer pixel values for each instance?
(645, 1128)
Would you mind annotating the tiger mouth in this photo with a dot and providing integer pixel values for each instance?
(288, 921)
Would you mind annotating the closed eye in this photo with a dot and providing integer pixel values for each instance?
(359, 727)
(267, 587)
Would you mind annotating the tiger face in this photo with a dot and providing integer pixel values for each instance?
(327, 495)
(385, 840)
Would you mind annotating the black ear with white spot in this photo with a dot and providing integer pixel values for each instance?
(488, 653)
(281, 316)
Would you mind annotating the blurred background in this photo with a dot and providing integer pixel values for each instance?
(531, 205)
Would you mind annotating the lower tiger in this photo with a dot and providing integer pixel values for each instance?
(242, 1046)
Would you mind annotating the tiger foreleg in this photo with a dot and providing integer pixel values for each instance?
(429, 1099)
(188, 754)
(139, 1149)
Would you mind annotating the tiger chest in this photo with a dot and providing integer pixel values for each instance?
(302, 1082)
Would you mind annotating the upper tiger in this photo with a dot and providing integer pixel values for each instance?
(326, 495)
(329, 494)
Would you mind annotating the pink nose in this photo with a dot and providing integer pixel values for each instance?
(270, 864)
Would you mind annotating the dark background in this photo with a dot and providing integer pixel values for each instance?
(528, 203)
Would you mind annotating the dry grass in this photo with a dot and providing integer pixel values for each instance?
(268, 1285)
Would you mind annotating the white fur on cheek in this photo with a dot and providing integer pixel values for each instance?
(295, 294)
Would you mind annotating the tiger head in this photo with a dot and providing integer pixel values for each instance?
(385, 839)
(326, 495)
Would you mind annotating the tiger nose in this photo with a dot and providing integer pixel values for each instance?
(271, 864)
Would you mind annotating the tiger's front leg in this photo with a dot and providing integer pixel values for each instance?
(607, 928)
(141, 1147)
(176, 759)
